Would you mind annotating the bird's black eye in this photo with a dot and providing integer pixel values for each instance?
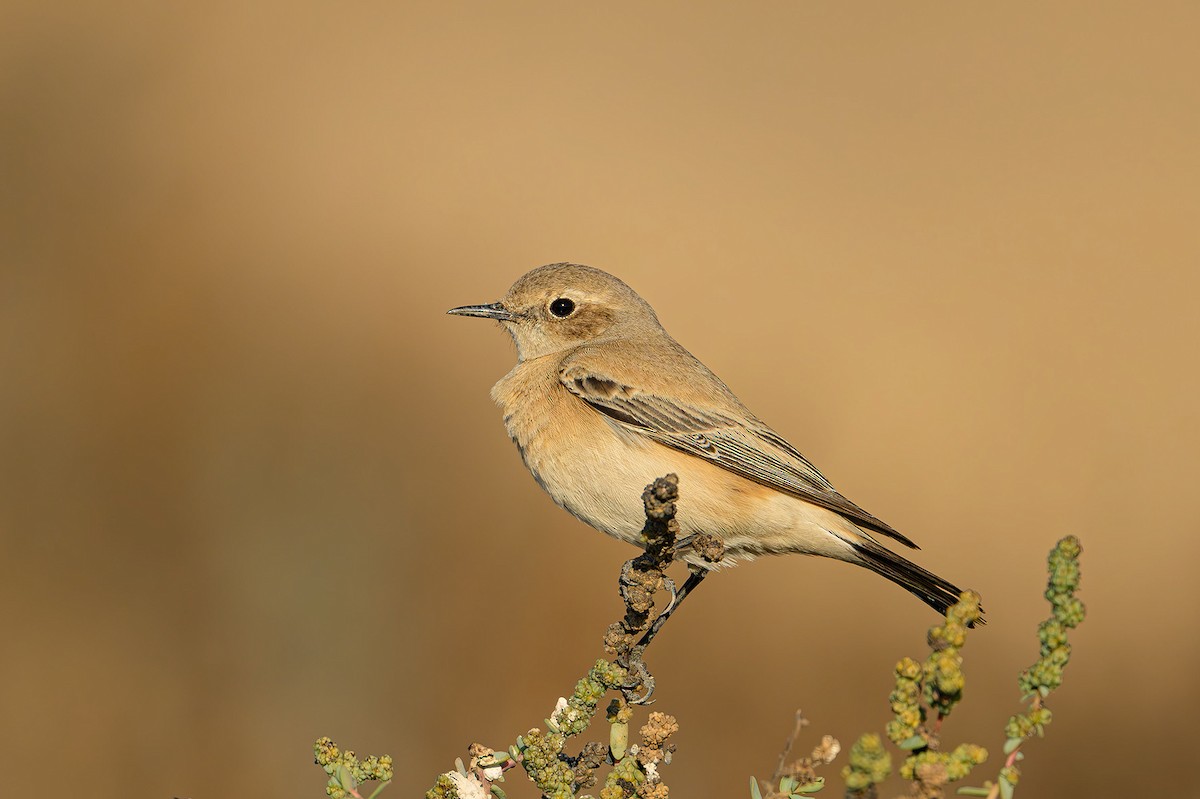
(562, 307)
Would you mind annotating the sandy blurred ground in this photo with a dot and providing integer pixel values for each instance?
(252, 488)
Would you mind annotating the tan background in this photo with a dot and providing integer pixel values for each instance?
(252, 488)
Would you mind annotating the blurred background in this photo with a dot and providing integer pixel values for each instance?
(252, 487)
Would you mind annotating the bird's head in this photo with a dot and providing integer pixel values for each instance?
(561, 306)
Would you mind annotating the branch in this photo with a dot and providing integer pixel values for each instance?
(633, 768)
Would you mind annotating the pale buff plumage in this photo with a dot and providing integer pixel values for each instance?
(602, 401)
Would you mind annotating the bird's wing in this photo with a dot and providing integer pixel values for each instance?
(743, 445)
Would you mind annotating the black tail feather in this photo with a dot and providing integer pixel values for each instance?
(925, 585)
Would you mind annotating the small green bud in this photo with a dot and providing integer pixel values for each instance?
(1071, 612)
(325, 751)
(908, 669)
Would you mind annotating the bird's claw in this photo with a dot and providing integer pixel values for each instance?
(669, 584)
(641, 679)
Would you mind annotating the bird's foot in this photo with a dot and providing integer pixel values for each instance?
(641, 678)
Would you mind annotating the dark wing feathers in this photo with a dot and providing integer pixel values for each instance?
(752, 450)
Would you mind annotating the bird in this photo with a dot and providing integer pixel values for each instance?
(603, 400)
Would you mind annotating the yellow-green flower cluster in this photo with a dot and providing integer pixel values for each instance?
(345, 770)
(581, 705)
(948, 766)
(906, 703)
(540, 752)
(1067, 612)
(442, 789)
(1028, 724)
(1064, 582)
(944, 681)
(1046, 674)
(943, 676)
(869, 764)
(326, 752)
(936, 685)
(378, 768)
(925, 690)
(624, 775)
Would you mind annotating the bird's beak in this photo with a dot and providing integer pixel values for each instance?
(493, 311)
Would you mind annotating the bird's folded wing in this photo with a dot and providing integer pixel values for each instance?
(744, 446)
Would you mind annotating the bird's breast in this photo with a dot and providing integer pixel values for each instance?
(596, 469)
(590, 467)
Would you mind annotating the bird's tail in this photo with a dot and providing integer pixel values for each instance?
(925, 585)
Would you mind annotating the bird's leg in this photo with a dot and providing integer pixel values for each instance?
(645, 574)
(694, 579)
(669, 584)
(707, 547)
(634, 661)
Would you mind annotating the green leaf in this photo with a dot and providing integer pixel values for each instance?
(382, 785)
(812, 787)
(345, 778)
(788, 784)
(973, 791)
(915, 742)
(1011, 745)
(618, 739)
(754, 791)
(1006, 789)
(499, 794)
